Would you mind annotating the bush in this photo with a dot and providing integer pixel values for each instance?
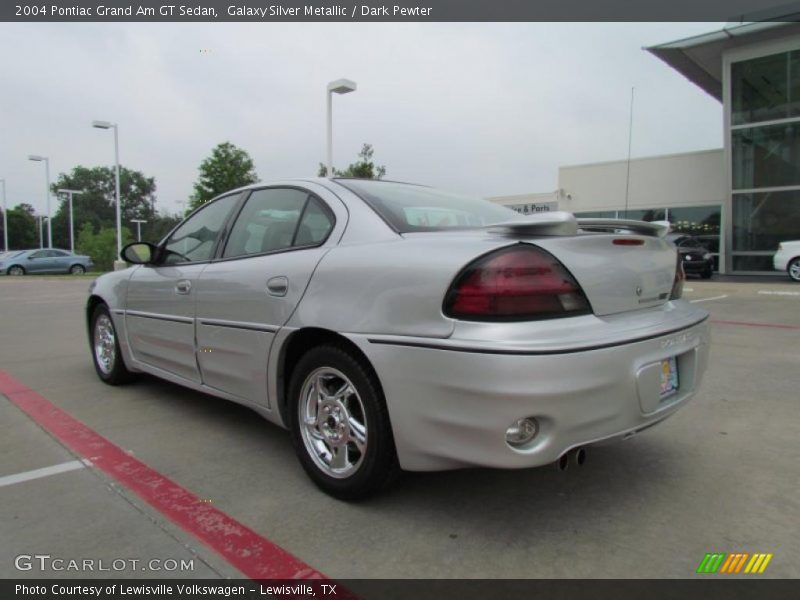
(101, 246)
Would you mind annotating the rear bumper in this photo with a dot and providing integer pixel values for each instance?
(451, 408)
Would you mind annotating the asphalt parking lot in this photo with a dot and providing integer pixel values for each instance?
(720, 476)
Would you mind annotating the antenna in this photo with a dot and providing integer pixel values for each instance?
(628, 173)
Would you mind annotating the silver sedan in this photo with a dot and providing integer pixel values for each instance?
(392, 326)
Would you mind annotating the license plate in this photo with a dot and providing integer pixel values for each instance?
(669, 377)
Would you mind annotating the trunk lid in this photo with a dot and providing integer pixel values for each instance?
(621, 265)
(617, 278)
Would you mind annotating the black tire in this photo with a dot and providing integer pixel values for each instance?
(77, 270)
(16, 270)
(114, 372)
(793, 269)
(377, 464)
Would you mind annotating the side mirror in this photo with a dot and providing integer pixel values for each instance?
(138, 253)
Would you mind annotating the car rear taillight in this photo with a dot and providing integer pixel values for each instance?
(518, 283)
(680, 277)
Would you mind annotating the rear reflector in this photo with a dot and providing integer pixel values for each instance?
(628, 242)
(680, 277)
(519, 283)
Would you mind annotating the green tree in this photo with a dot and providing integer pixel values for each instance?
(102, 245)
(97, 204)
(22, 233)
(227, 168)
(363, 168)
(155, 230)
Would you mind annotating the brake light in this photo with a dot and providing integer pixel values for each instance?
(515, 284)
(680, 277)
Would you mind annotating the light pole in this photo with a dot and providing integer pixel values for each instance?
(5, 218)
(37, 158)
(108, 125)
(138, 228)
(41, 218)
(340, 86)
(69, 194)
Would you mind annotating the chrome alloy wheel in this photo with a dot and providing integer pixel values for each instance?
(104, 343)
(333, 422)
(794, 270)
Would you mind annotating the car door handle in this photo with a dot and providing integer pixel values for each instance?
(183, 287)
(278, 286)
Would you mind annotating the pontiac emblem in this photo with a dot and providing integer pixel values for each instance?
(638, 290)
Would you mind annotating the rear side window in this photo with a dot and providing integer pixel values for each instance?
(315, 225)
(276, 219)
(409, 208)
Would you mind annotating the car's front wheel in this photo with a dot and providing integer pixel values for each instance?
(340, 424)
(16, 270)
(105, 348)
(794, 269)
(77, 270)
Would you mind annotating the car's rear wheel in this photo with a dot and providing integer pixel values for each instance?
(340, 424)
(105, 349)
(794, 269)
(16, 270)
(77, 270)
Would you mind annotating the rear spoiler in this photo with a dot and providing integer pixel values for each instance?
(654, 229)
(565, 223)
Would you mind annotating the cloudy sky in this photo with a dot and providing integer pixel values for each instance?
(487, 109)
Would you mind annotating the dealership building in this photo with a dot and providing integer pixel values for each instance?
(742, 199)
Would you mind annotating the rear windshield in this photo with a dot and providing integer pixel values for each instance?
(410, 208)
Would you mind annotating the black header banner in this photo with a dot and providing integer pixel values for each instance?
(144, 11)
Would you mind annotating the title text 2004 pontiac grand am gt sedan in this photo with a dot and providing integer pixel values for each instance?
(392, 326)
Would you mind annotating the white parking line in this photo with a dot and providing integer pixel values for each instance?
(711, 298)
(44, 472)
(777, 293)
(688, 289)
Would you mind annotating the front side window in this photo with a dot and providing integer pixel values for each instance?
(194, 240)
(275, 219)
(39, 254)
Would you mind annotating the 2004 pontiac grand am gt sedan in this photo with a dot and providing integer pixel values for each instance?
(392, 326)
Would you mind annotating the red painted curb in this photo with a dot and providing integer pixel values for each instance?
(750, 324)
(253, 555)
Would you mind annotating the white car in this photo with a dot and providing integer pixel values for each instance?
(788, 259)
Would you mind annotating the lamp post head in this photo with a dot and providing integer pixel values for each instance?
(69, 191)
(36, 157)
(103, 124)
(342, 86)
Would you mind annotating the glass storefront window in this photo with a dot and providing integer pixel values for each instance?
(766, 156)
(761, 221)
(597, 214)
(753, 263)
(651, 214)
(765, 88)
(696, 220)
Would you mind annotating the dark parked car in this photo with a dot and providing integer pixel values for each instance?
(44, 260)
(696, 258)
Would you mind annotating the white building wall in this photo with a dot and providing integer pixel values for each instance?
(687, 179)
